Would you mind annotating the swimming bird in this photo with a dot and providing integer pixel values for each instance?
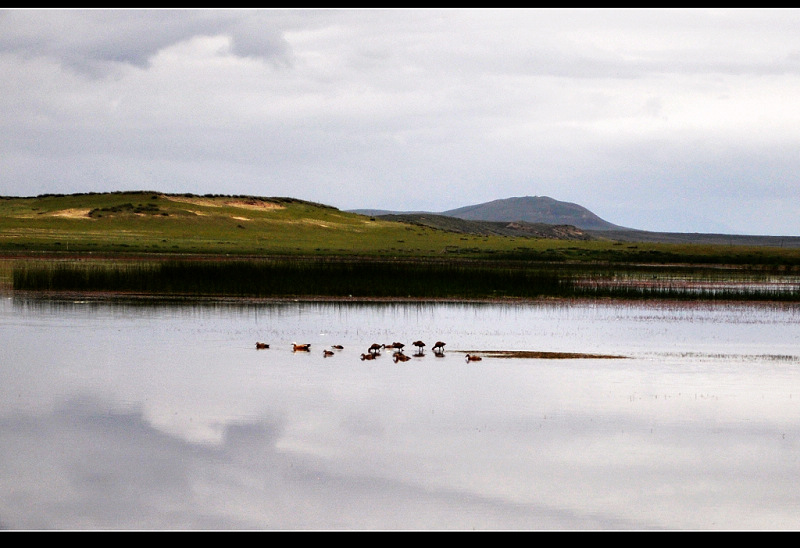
(439, 345)
(260, 345)
(337, 346)
(471, 358)
(327, 352)
(301, 347)
(367, 357)
(400, 357)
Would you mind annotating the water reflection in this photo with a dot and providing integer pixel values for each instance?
(164, 416)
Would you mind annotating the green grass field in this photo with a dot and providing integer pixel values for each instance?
(155, 223)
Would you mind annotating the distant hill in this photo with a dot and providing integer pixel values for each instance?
(526, 209)
(534, 209)
(543, 217)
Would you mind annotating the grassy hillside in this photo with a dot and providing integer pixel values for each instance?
(492, 228)
(162, 223)
(157, 223)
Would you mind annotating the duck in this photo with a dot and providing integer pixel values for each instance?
(327, 352)
(337, 346)
(260, 345)
(301, 347)
(472, 358)
(367, 356)
(400, 357)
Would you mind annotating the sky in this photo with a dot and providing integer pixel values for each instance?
(678, 120)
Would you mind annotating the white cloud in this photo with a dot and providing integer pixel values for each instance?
(366, 108)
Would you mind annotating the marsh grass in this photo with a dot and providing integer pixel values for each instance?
(733, 292)
(293, 277)
(330, 277)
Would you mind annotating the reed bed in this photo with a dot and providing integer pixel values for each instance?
(371, 278)
(298, 277)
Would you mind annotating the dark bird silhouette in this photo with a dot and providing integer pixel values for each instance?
(327, 352)
(367, 357)
(400, 357)
(420, 346)
(375, 347)
(260, 345)
(471, 358)
(337, 346)
(301, 347)
(439, 345)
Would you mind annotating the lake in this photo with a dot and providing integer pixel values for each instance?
(132, 415)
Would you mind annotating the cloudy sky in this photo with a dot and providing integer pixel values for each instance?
(675, 120)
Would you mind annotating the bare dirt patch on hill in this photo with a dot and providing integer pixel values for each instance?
(75, 213)
(244, 203)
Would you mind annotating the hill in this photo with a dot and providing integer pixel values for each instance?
(534, 209)
(543, 217)
(179, 223)
(539, 210)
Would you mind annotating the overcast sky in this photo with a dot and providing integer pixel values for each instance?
(683, 120)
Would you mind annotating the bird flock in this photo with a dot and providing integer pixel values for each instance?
(375, 349)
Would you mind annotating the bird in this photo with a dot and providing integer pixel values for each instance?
(327, 352)
(301, 347)
(367, 357)
(471, 358)
(375, 347)
(260, 345)
(420, 345)
(439, 345)
(400, 357)
(337, 346)
(398, 345)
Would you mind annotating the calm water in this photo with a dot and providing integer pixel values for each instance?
(131, 416)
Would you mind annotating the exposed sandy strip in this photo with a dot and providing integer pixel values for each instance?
(73, 213)
(211, 202)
